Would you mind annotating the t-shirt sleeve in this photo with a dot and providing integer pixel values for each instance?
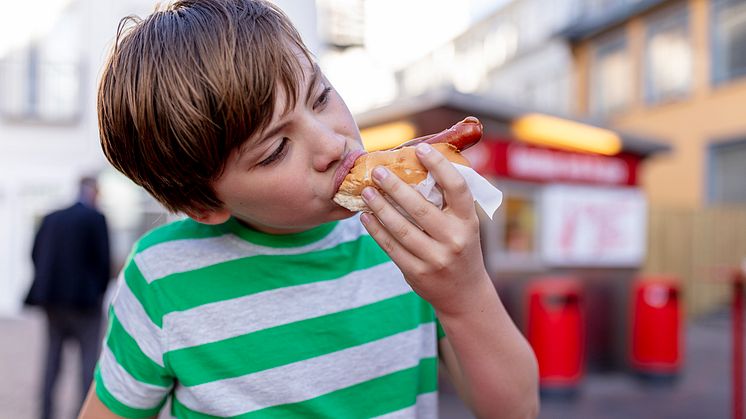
(131, 378)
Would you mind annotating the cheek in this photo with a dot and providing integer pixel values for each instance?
(288, 192)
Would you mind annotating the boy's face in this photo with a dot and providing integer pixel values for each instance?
(283, 180)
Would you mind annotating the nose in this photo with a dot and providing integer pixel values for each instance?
(329, 148)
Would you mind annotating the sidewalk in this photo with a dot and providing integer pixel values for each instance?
(21, 363)
(703, 390)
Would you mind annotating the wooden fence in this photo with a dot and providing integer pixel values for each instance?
(700, 247)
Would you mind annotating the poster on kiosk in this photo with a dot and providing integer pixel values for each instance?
(593, 226)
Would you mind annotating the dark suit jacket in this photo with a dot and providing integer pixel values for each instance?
(71, 259)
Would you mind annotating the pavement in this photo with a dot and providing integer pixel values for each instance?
(702, 390)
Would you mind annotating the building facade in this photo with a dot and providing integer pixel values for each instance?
(49, 132)
(677, 70)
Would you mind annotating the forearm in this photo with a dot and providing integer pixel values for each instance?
(493, 368)
(93, 408)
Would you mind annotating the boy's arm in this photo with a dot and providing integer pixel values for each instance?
(94, 409)
(492, 365)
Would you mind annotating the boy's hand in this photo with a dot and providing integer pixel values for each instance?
(442, 261)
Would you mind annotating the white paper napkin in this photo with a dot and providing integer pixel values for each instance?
(485, 194)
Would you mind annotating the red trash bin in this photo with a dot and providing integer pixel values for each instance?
(555, 330)
(656, 334)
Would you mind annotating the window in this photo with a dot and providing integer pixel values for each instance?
(342, 23)
(611, 77)
(728, 39)
(42, 81)
(520, 225)
(727, 172)
(668, 56)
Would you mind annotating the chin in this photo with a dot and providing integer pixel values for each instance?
(340, 213)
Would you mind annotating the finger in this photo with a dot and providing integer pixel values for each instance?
(400, 228)
(398, 254)
(456, 192)
(427, 216)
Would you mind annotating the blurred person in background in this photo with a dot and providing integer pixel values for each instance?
(71, 273)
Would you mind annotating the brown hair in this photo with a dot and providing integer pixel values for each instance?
(187, 86)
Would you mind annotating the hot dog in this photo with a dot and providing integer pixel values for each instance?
(403, 162)
(462, 135)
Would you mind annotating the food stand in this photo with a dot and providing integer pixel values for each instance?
(566, 211)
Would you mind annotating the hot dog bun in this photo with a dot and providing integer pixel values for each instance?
(402, 162)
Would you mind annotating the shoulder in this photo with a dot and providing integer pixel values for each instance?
(351, 226)
(183, 229)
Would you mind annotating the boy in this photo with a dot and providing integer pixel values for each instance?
(271, 300)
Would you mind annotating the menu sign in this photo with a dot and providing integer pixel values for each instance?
(592, 226)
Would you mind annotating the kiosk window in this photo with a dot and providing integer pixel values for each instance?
(520, 225)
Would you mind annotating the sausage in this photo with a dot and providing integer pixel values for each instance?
(462, 135)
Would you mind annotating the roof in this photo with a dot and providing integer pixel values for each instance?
(587, 27)
(489, 108)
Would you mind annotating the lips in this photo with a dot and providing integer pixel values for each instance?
(344, 168)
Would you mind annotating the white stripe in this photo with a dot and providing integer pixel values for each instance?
(426, 406)
(125, 388)
(185, 255)
(311, 378)
(239, 316)
(136, 322)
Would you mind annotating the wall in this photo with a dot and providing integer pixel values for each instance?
(708, 114)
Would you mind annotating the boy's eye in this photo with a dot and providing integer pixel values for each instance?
(323, 98)
(277, 154)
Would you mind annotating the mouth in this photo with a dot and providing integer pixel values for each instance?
(344, 168)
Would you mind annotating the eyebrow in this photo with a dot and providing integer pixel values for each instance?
(315, 73)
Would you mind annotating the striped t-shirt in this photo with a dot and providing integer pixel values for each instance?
(226, 321)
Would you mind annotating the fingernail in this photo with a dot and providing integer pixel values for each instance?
(423, 149)
(365, 218)
(368, 194)
(380, 173)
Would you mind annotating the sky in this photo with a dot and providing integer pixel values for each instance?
(398, 32)
(21, 20)
(418, 26)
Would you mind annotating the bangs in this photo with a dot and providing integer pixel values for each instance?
(269, 55)
(187, 86)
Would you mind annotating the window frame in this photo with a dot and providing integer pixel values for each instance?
(713, 148)
(618, 39)
(655, 24)
(718, 73)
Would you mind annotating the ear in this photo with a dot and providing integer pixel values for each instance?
(214, 216)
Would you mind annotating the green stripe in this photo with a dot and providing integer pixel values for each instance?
(180, 230)
(280, 240)
(144, 293)
(242, 277)
(269, 348)
(119, 408)
(372, 398)
(190, 229)
(441, 331)
(129, 355)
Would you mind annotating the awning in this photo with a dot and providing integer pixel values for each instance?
(420, 111)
